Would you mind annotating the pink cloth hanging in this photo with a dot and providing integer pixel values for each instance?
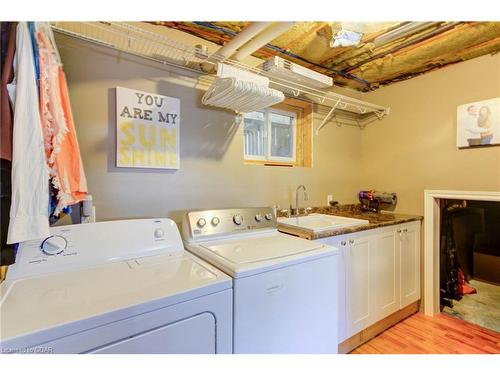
(68, 163)
(61, 145)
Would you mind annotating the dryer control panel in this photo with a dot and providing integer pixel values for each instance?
(209, 223)
(71, 247)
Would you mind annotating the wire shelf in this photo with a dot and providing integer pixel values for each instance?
(135, 40)
(139, 41)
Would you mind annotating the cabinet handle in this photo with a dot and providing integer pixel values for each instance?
(343, 243)
(405, 230)
(399, 230)
(351, 242)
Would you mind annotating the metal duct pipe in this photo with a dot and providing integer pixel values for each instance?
(271, 33)
(419, 39)
(240, 39)
(402, 31)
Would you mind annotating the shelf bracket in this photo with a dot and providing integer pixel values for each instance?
(327, 117)
(360, 125)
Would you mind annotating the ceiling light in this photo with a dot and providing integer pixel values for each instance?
(346, 38)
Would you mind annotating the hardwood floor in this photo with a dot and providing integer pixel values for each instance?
(442, 334)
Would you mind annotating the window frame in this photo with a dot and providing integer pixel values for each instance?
(301, 111)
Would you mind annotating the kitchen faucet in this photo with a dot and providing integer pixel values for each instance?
(297, 210)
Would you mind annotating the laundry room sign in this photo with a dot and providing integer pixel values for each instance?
(147, 130)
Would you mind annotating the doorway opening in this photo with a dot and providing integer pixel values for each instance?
(469, 261)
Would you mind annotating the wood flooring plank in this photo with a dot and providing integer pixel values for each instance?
(440, 334)
(424, 339)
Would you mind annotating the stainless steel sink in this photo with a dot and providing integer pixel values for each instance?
(320, 222)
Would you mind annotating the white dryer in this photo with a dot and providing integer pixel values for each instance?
(285, 287)
(114, 287)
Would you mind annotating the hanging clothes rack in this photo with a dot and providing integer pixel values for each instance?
(139, 40)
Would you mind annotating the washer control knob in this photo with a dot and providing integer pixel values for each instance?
(268, 216)
(201, 222)
(215, 221)
(159, 233)
(258, 218)
(54, 245)
(237, 219)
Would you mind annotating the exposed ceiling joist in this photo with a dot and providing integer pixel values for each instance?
(387, 53)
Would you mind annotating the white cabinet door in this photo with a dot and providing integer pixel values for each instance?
(358, 280)
(385, 281)
(409, 240)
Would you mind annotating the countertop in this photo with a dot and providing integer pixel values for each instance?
(376, 220)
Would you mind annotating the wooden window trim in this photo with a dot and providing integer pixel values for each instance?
(303, 134)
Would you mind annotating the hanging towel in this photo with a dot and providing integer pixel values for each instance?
(72, 183)
(61, 145)
(30, 188)
(51, 112)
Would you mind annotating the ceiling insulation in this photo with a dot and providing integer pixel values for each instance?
(403, 49)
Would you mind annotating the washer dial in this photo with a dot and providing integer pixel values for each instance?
(53, 245)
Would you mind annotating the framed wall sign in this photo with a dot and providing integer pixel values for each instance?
(478, 123)
(147, 130)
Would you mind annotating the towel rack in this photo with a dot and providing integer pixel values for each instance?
(138, 39)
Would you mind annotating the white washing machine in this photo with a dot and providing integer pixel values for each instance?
(284, 287)
(114, 287)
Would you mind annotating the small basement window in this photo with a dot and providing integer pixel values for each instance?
(280, 135)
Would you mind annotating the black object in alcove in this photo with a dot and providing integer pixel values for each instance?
(470, 241)
(467, 224)
(448, 255)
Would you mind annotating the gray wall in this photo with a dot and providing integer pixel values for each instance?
(212, 171)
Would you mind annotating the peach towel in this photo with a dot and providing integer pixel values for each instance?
(61, 145)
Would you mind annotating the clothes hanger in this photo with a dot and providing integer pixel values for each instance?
(240, 95)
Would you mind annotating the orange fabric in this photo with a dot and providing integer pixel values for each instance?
(68, 162)
(61, 145)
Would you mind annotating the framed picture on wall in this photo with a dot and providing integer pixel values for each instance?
(147, 130)
(478, 123)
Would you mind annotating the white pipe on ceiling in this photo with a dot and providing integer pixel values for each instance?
(402, 31)
(241, 38)
(266, 36)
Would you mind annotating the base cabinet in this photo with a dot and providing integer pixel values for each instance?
(379, 274)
